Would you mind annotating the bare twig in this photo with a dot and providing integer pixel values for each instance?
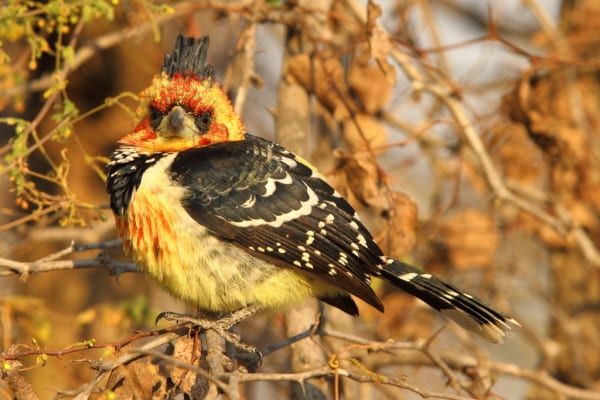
(248, 42)
(214, 358)
(54, 262)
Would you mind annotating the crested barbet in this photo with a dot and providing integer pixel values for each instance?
(225, 220)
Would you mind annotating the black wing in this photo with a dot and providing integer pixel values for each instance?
(266, 200)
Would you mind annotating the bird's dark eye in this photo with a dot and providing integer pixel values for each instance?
(204, 120)
(156, 117)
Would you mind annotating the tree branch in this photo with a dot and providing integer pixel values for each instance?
(54, 261)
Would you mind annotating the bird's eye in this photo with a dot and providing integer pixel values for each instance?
(204, 120)
(156, 117)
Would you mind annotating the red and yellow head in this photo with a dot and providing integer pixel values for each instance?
(185, 107)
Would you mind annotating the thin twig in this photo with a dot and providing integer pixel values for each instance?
(248, 40)
(327, 371)
(53, 263)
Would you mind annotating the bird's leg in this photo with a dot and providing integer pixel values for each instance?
(222, 325)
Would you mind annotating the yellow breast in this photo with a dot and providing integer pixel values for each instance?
(196, 266)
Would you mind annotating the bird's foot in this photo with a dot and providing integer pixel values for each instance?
(221, 326)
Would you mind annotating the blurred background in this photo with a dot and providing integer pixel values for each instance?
(464, 132)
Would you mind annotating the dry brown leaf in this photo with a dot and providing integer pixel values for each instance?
(357, 179)
(371, 134)
(182, 378)
(553, 122)
(140, 379)
(519, 158)
(559, 123)
(399, 235)
(342, 21)
(369, 84)
(469, 238)
(325, 79)
(379, 42)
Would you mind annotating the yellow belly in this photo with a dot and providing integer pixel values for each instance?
(195, 266)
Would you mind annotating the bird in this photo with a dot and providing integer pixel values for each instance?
(228, 221)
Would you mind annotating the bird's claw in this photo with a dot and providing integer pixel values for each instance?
(168, 316)
(221, 326)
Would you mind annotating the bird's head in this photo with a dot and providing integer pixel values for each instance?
(185, 107)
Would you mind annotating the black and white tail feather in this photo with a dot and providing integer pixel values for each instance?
(466, 310)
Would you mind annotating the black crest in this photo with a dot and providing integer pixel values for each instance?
(189, 57)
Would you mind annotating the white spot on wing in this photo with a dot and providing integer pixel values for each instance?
(310, 237)
(409, 276)
(290, 162)
(250, 202)
(343, 258)
(361, 239)
(305, 209)
(270, 185)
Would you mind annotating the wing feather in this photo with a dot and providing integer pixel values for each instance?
(262, 198)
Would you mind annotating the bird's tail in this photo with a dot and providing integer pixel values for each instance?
(463, 308)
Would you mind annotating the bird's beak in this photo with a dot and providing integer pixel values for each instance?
(177, 119)
(179, 124)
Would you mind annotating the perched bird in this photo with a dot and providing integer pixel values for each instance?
(226, 220)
